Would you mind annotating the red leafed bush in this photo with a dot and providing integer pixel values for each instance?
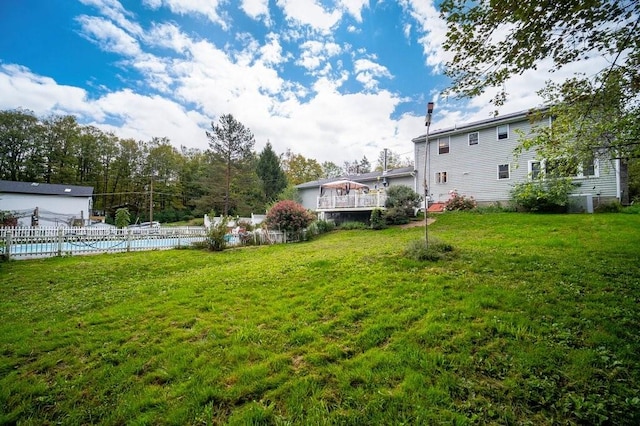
(289, 216)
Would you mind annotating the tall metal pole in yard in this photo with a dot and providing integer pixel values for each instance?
(151, 202)
(427, 122)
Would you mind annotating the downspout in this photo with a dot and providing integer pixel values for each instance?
(618, 183)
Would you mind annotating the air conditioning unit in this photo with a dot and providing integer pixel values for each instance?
(581, 203)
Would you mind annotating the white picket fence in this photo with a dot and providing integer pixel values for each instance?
(41, 242)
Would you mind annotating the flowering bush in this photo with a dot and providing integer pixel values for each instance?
(460, 202)
(287, 215)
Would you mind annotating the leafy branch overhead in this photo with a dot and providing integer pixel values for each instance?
(592, 116)
(493, 41)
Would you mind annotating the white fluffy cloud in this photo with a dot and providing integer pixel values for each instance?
(309, 12)
(315, 53)
(137, 116)
(256, 9)
(22, 88)
(368, 73)
(207, 8)
(187, 81)
(108, 36)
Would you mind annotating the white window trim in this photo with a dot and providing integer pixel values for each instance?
(469, 138)
(596, 170)
(438, 180)
(530, 168)
(498, 133)
(448, 139)
(498, 171)
(578, 175)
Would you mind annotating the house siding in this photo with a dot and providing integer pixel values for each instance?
(472, 170)
(77, 207)
(310, 191)
(309, 197)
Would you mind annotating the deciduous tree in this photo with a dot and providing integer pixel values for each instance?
(493, 41)
(300, 169)
(356, 167)
(331, 170)
(19, 131)
(594, 115)
(393, 160)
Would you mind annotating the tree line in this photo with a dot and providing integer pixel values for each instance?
(228, 178)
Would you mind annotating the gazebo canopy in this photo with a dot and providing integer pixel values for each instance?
(344, 184)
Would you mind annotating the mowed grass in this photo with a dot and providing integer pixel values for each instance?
(536, 320)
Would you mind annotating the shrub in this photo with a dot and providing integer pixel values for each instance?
(402, 197)
(318, 227)
(8, 219)
(287, 215)
(632, 209)
(496, 208)
(353, 225)
(215, 240)
(612, 207)
(396, 216)
(123, 218)
(324, 226)
(436, 250)
(248, 226)
(459, 202)
(543, 195)
(377, 219)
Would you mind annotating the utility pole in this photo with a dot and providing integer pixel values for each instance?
(384, 167)
(151, 202)
(427, 123)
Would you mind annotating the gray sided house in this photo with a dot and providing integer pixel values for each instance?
(477, 160)
(353, 197)
(43, 204)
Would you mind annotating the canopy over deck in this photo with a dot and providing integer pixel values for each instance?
(345, 185)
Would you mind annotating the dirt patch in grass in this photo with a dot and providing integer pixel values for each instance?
(415, 223)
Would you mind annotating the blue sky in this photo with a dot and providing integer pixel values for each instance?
(333, 80)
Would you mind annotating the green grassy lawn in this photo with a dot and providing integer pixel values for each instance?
(536, 320)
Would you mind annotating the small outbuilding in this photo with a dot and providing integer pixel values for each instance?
(43, 204)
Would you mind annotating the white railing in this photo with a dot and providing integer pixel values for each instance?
(41, 242)
(352, 201)
(28, 243)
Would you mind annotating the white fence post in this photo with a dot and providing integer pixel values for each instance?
(7, 245)
(60, 241)
(129, 233)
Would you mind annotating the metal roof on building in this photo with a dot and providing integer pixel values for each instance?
(7, 186)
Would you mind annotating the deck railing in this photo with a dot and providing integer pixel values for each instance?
(352, 201)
